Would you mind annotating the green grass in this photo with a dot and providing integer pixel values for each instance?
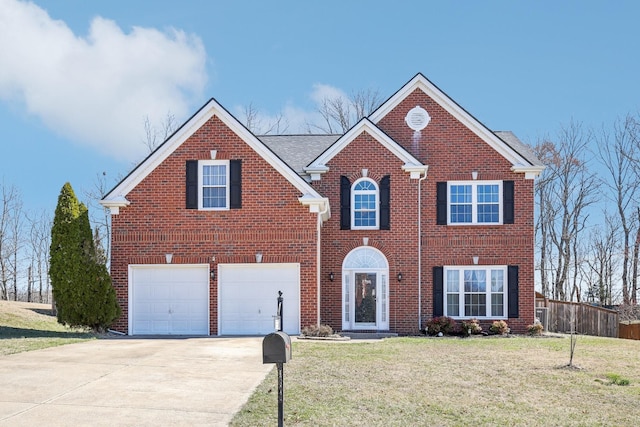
(26, 327)
(478, 381)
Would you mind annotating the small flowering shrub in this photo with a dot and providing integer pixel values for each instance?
(499, 327)
(443, 324)
(317, 331)
(470, 327)
(535, 329)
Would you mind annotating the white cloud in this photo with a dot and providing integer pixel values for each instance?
(323, 91)
(97, 90)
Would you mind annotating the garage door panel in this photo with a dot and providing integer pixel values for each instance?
(171, 300)
(248, 298)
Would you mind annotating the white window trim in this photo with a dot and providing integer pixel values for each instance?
(488, 293)
(201, 165)
(353, 205)
(474, 202)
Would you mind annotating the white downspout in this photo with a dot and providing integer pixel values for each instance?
(420, 250)
(319, 259)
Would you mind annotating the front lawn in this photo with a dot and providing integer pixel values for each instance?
(478, 381)
(30, 326)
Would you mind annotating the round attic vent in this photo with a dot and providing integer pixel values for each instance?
(417, 118)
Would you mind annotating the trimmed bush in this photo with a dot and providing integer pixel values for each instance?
(317, 331)
(443, 324)
(499, 327)
(535, 329)
(470, 327)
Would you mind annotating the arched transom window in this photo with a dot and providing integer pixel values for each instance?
(365, 257)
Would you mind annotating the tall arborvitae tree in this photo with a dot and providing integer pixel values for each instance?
(81, 285)
(64, 251)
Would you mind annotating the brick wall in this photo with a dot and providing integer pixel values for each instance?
(452, 152)
(271, 221)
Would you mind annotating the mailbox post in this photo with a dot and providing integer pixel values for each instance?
(276, 348)
(277, 319)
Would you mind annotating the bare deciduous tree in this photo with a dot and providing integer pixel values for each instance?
(255, 123)
(339, 113)
(100, 217)
(601, 262)
(10, 218)
(157, 134)
(564, 194)
(618, 153)
(39, 242)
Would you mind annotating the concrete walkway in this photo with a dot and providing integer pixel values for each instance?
(131, 382)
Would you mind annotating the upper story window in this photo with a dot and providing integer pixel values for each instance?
(213, 184)
(365, 204)
(475, 292)
(475, 202)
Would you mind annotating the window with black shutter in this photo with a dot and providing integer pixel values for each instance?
(192, 184)
(235, 184)
(513, 291)
(438, 291)
(345, 203)
(385, 203)
(508, 202)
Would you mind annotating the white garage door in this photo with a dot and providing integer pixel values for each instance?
(169, 299)
(247, 298)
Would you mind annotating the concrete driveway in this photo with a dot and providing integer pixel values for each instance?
(131, 382)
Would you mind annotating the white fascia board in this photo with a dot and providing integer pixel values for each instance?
(114, 204)
(319, 205)
(365, 125)
(422, 83)
(212, 108)
(161, 153)
(316, 172)
(416, 171)
(530, 172)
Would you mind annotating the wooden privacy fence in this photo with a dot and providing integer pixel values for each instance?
(589, 320)
(630, 331)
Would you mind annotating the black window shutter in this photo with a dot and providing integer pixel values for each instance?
(438, 291)
(512, 274)
(192, 184)
(345, 203)
(385, 196)
(508, 204)
(235, 184)
(441, 203)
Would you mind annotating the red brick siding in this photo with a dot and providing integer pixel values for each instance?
(271, 220)
(452, 152)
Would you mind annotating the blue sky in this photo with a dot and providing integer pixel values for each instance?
(78, 78)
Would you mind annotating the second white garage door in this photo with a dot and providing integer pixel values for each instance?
(247, 298)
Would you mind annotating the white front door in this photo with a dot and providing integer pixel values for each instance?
(365, 293)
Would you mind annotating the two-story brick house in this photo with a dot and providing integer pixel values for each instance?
(417, 211)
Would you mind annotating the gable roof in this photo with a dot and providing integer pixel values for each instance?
(298, 150)
(116, 198)
(319, 165)
(521, 158)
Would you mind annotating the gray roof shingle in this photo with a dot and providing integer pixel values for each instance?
(520, 147)
(298, 150)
